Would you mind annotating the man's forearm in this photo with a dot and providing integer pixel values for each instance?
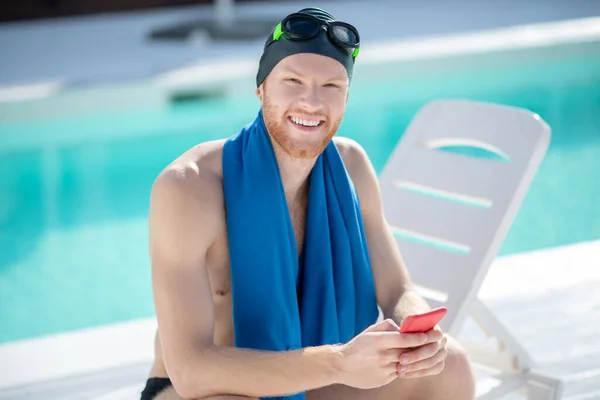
(233, 371)
(410, 302)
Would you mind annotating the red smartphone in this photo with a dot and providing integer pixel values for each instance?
(421, 323)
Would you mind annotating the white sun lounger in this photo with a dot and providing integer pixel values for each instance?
(451, 213)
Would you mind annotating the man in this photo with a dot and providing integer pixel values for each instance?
(263, 284)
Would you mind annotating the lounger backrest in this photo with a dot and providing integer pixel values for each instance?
(451, 210)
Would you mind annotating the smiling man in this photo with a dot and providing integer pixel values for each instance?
(271, 254)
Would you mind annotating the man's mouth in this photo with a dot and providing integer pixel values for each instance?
(306, 121)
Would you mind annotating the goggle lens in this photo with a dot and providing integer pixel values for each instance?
(301, 26)
(344, 34)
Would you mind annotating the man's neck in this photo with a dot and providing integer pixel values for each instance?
(294, 174)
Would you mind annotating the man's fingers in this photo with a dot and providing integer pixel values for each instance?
(396, 340)
(392, 367)
(423, 352)
(389, 336)
(419, 339)
(434, 335)
(391, 355)
(393, 372)
(434, 370)
(425, 363)
(383, 326)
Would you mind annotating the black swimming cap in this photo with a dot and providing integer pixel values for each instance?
(276, 50)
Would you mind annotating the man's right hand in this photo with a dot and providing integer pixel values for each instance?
(371, 358)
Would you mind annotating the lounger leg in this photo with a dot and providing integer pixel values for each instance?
(511, 360)
(543, 387)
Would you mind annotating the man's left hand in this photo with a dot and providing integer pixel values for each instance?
(425, 360)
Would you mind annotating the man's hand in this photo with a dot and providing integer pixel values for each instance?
(427, 359)
(370, 360)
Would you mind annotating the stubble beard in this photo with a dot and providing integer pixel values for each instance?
(277, 128)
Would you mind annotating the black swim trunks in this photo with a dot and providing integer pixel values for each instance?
(154, 386)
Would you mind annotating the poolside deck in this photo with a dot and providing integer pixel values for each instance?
(549, 299)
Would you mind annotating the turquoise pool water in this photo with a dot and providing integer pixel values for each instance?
(73, 233)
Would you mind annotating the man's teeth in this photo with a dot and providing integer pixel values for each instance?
(305, 122)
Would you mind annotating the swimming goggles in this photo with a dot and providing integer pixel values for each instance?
(299, 26)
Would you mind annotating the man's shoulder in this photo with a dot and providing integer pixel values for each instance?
(194, 176)
(354, 156)
(361, 172)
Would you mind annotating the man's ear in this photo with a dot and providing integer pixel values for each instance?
(260, 91)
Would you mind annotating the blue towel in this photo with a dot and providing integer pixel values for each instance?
(279, 302)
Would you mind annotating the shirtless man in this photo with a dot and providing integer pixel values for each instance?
(195, 353)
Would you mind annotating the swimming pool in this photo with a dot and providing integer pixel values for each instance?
(74, 187)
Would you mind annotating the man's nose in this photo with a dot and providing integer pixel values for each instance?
(311, 99)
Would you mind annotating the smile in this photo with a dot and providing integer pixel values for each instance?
(306, 122)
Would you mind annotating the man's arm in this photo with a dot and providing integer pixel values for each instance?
(185, 216)
(395, 290)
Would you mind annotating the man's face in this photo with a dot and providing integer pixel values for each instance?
(303, 101)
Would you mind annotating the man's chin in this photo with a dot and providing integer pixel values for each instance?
(297, 146)
(307, 152)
